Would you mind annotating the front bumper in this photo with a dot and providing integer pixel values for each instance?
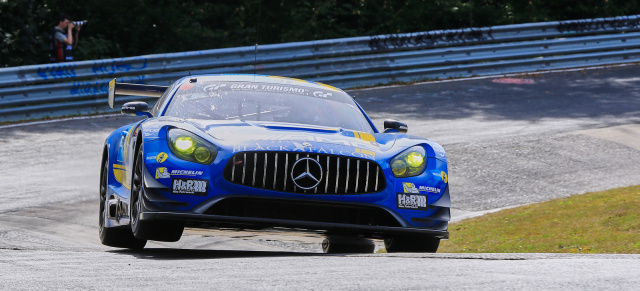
(251, 212)
(159, 204)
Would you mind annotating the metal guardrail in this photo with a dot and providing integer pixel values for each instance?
(51, 90)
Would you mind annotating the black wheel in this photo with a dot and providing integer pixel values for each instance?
(160, 230)
(411, 244)
(343, 245)
(119, 237)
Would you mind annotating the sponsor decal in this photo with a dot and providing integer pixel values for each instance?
(321, 94)
(186, 172)
(214, 87)
(190, 186)
(429, 189)
(244, 86)
(445, 179)
(151, 158)
(363, 140)
(412, 201)
(372, 154)
(162, 173)
(161, 157)
(281, 89)
(213, 90)
(365, 148)
(411, 188)
(297, 147)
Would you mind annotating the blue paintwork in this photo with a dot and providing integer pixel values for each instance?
(235, 136)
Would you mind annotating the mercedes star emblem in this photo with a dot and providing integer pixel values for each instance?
(306, 173)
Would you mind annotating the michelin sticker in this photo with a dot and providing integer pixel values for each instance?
(411, 188)
(412, 201)
(190, 187)
(429, 189)
(186, 172)
(162, 172)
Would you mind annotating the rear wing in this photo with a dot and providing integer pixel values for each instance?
(133, 90)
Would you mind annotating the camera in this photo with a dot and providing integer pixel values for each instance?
(80, 23)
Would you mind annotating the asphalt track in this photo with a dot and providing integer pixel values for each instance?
(510, 141)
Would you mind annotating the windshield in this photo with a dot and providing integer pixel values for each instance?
(267, 102)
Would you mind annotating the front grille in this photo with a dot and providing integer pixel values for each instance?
(272, 171)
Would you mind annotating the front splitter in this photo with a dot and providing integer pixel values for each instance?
(252, 222)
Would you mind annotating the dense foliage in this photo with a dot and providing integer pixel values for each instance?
(120, 28)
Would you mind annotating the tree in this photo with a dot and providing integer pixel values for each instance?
(121, 28)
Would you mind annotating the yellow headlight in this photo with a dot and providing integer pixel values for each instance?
(202, 154)
(398, 167)
(185, 145)
(410, 162)
(190, 147)
(414, 160)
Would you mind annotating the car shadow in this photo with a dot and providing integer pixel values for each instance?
(190, 254)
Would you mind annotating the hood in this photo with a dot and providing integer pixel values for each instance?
(277, 136)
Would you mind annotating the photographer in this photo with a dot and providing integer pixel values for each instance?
(62, 40)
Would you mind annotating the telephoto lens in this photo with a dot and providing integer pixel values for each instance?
(80, 23)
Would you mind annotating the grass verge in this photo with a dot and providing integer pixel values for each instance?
(600, 222)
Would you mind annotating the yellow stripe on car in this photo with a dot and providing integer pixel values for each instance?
(329, 86)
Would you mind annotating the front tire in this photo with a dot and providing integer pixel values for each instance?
(119, 237)
(411, 244)
(160, 230)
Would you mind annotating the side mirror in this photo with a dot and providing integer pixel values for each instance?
(391, 125)
(136, 108)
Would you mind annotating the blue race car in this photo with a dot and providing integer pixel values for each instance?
(258, 152)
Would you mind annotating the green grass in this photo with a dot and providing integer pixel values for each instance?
(601, 222)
